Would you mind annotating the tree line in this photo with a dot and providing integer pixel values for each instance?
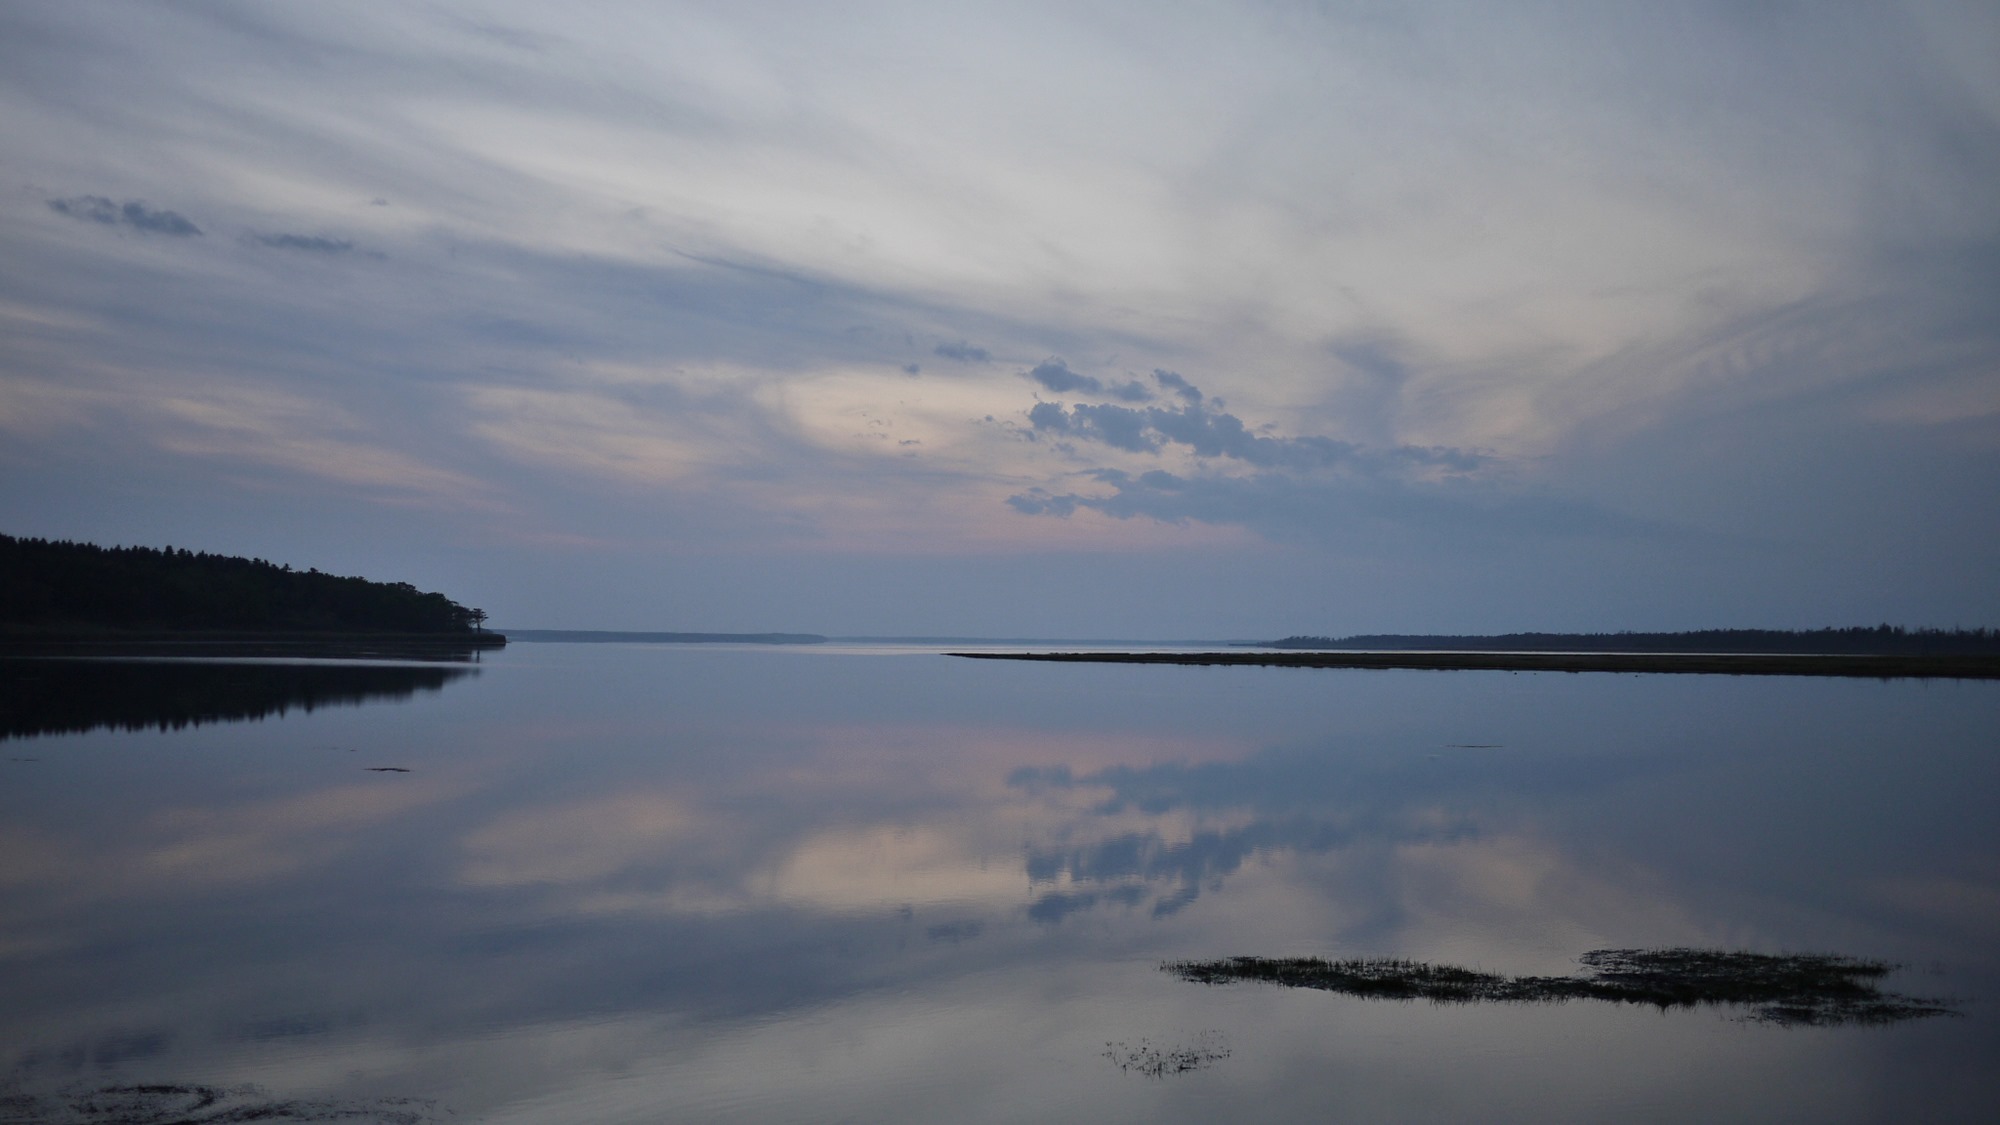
(53, 585)
(1885, 640)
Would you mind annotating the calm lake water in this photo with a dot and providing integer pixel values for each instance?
(640, 884)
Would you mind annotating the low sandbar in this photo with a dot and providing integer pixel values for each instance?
(1726, 664)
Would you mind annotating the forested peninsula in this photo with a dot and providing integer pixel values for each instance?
(59, 590)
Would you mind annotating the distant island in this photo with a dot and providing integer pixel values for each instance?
(612, 636)
(1878, 640)
(56, 590)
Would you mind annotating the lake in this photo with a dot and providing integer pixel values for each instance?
(630, 883)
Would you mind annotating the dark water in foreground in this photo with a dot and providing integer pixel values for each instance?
(639, 884)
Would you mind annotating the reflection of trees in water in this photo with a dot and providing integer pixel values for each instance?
(40, 696)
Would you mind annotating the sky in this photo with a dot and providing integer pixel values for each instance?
(1070, 320)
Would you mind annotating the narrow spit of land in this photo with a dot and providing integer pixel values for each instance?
(1866, 640)
(1891, 667)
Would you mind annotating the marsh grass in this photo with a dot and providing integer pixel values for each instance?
(1156, 1060)
(179, 1104)
(1789, 989)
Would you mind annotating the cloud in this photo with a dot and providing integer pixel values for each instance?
(131, 213)
(1309, 488)
(1370, 357)
(603, 435)
(291, 434)
(314, 244)
(1116, 426)
(1173, 382)
(1056, 376)
(1569, 240)
(1207, 431)
(1039, 502)
(93, 207)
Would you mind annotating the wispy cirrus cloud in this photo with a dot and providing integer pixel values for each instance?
(310, 243)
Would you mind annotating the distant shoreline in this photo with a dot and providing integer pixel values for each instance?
(631, 637)
(1875, 640)
(1727, 664)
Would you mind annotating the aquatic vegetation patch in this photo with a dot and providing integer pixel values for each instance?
(1788, 989)
(1157, 1061)
(178, 1104)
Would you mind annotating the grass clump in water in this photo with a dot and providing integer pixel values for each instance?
(1155, 1060)
(1789, 989)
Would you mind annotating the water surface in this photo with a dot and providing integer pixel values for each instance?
(642, 883)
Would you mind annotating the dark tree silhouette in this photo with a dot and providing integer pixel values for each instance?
(56, 585)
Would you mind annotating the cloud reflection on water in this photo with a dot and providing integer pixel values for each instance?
(892, 886)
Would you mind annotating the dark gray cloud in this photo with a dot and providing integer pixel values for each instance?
(1304, 486)
(1208, 431)
(1041, 502)
(1056, 376)
(313, 244)
(1120, 427)
(1173, 382)
(964, 353)
(93, 207)
(132, 213)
